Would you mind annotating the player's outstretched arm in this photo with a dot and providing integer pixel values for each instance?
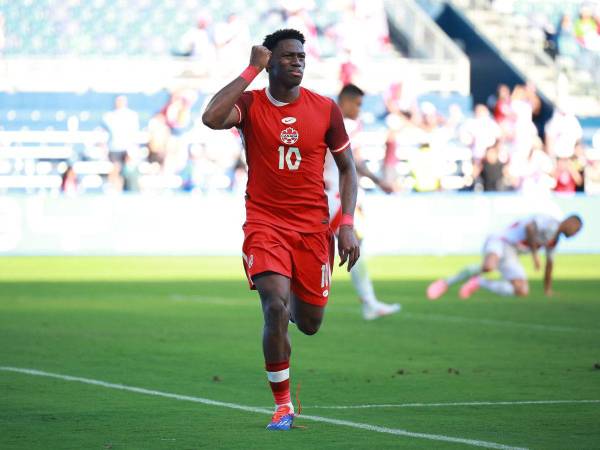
(531, 231)
(364, 171)
(220, 112)
(348, 245)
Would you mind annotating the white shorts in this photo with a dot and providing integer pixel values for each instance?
(509, 266)
(335, 213)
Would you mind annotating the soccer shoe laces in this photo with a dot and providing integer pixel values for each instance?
(280, 412)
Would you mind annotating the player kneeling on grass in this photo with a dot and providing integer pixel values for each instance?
(501, 252)
(288, 245)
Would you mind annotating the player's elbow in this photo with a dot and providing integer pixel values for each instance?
(209, 119)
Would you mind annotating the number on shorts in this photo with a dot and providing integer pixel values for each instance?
(325, 275)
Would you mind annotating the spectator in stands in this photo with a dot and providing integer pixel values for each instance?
(591, 180)
(159, 135)
(123, 126)
(114, 181)
(480, 132)
(534, 99)
(524, 130)
(533, 173)
(567, 175)
(69, 181)
(586, 30)
(178, 117)
(198, 43)
(298, 17)
(400, 100)
(562, 132)
(232, 39)
(566, 40)
(492, 170)
(503, 113)
(348, 69)
(426, 167)
(130, 173)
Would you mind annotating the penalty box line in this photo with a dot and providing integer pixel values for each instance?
(206, 401)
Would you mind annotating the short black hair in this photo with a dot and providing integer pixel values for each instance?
(273, 39)
(576, 217)
(351, 90)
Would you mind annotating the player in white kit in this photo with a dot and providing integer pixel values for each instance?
(350, 102)
(501, 252)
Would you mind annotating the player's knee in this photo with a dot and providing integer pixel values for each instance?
(275, 312)
(521, 288)
(309, 326)
(488, 266)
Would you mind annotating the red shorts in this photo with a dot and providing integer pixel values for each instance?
(305, 258)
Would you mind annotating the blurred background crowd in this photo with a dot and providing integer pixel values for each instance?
(418, 138)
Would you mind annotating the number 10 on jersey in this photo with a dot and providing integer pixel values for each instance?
(285, 158)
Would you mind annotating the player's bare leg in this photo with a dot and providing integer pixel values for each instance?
(274, 291)
(307, 317)
(502, 287)
(439, 287)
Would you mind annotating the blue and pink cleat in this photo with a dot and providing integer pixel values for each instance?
(282, 419)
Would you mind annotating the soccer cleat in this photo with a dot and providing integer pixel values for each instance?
(379, 309)
(437, 289)
(282, 419)
(469, 288)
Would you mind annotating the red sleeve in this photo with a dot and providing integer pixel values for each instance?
(336, 137)
(242, 106)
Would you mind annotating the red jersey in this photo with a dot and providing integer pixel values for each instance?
(286, 144)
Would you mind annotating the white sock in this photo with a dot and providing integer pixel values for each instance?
(362, 283)
(500, 287)
(464, 274)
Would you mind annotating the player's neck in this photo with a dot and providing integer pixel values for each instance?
(283, 94)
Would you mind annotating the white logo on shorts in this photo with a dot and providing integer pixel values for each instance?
(325, 293)
(249, 261)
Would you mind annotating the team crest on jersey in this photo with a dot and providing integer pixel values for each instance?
(289, 136)
(288, 120)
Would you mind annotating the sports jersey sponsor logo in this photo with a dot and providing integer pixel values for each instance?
(288, 120)
(289, 136)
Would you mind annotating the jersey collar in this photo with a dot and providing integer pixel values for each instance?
(273, 100)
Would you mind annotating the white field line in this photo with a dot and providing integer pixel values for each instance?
(437, 405)
(506, 323)
(268, 411)
(228, 301)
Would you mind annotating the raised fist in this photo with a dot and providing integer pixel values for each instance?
(259, 57)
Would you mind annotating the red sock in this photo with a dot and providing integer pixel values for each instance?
(279, 379)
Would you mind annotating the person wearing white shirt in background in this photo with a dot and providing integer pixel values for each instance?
(562, 132)
(350, 102)
(480, 132)
(123, 126)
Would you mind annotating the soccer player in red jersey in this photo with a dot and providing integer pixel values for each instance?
(288, 245)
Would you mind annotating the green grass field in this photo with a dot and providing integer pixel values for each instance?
(189, 326)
